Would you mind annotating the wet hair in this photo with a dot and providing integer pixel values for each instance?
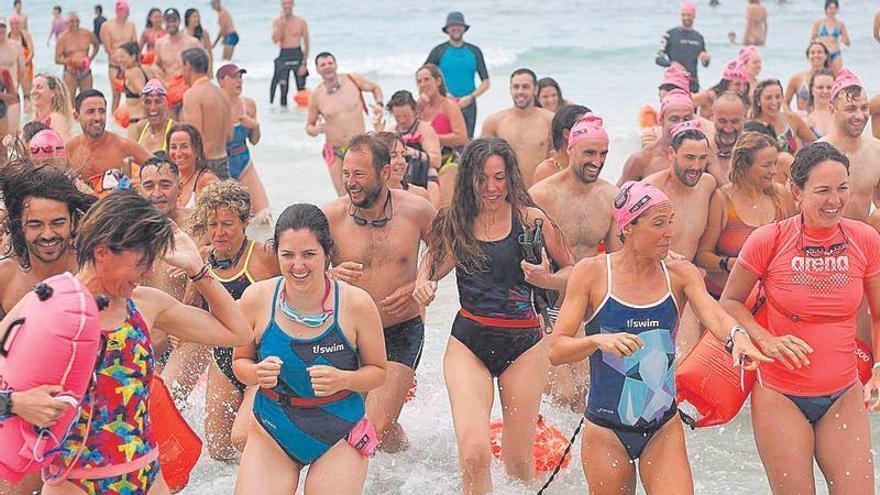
(436, 74)
(759, 90)
(29, 130)
(811, 155)
(124, 221)
(160, 160)
(379, 152)
(829, 3)
(197, 30)
(16, 3)
(850, 93)
(197, 58)
(524, 70)
(548, 82)
(565, 118)
(723, 86)
(760, 127)
(150, 14)
(744, 152)
(452, 234)
(56, 8)
(821, 72)
(98, 8)
(225, 194)
(305, 216)
(21, 179)
(824, 48)
(388, 139)
(132, 49)
(324, 55)
(688, 135)
(195, 140)
(401, 98)
(86, 94)
(61, 101)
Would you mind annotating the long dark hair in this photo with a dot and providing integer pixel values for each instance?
(759, 90)
(195, 139)
(820, 72)
(197, 31)
(305, 216)
(150, 14)
(549, 82)
(451, 232)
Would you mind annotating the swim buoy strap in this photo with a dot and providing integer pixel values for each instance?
(565, 453)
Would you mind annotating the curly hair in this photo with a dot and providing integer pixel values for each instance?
(21, 179)
(809, 157)
(61, 101)
(226, 194)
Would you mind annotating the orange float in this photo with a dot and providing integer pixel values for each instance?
(302, 97)
(148, 57)
(176, 87)
(179, 446)
(550, 444)
(121, 116)
(118, 84)
(865, 360)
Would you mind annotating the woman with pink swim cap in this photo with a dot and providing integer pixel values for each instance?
(734, 78)
(634, 300)
(47, 148)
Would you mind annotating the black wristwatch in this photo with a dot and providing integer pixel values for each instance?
(722, 262)
(5, 404)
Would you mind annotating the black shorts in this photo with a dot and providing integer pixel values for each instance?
(223, 359)
(496, 347)
(404, 341)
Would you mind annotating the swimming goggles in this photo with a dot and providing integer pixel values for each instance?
(375, 223)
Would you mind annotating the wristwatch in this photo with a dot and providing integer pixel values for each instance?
(5, 404)
(728, 346)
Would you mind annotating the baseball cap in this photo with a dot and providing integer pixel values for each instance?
(229, 69)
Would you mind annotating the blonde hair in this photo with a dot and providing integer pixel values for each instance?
(226, 194)
(61, 102)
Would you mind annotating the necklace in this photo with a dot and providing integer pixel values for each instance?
(311, 321)
(227, 263)
(334, 87)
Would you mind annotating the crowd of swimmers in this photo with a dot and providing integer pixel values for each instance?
(310, 340)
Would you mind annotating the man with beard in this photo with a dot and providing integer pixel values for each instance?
(676, 106)
(687, 185)
(728, 115)
(560, 127)
(152, 131)
(115, 33)
(460, 62)
(685, 45)
(75, 50)
(580, 203)
(525, 126)
(376, 232)
(849, 106)
(207, 108)
(96, 150)
(336, 110)
(43, 206)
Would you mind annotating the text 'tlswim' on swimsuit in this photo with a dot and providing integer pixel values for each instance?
(306, 426)
(634, 396)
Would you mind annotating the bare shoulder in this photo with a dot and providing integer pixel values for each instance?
(411, 201)
(358, 298)
(606, 188)
(708, 184)
(682, 270)
(73, 143)
(874, 220)
(250, 105)
(336, 208)
(545, 114)
(9, 268)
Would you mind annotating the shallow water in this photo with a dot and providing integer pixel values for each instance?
(607, 65)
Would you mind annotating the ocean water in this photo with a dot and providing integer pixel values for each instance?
(602, 55)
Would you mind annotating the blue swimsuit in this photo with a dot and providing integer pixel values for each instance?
(634, 396)
(237, 151)
(303, 425)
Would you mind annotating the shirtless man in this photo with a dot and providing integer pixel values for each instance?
(114, 33)
(560, 126)
(525, 126)
(756, 24)
(44, 207)
(75, 50)
(11, 62)
(377, 233)
(206, 107)
(849, 106)
(291, 34)
(676, 107)
(580, 203)
(336, 109)
(686, 184)
(875, 116)
(96, 150)
(226, 31)
(151, 132)
(169, 47)
(728, 115)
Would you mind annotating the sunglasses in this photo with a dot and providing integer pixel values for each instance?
(836, 249)
(46, 148)
(375, 223)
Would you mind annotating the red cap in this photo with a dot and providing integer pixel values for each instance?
(229, 69)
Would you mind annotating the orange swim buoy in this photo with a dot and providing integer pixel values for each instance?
(148, 57)
(176, 87)
(865, 360)
(121, 116)
(118, 84)
(179, 446)
(302, 97)
(550, 444)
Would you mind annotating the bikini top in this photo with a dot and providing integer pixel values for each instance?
(131, 94)
(803, 93)
(164, 138)
(823, 31)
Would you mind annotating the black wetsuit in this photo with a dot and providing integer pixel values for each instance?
(682, 46)
(288, 60)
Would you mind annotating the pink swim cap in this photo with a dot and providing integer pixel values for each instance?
(122, 5)
(676, 75)
(46, 144)
(588, 127)
(845, 79)
(746, 54)
(688, 125)
(675, 98)
(633, 200)
(688, 8)
(154, 87)
(734, 71)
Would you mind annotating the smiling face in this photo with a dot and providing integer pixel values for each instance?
(40, 92)
(156, 19)
(587, 158)
(690, 161)
(301, 258)
(549, 98)
(161, 187)
(492, 185)
(651, 235)
(753, 66)
(771, 100)
(120, 273)
(764, 168)
(728, 117)
(851, 113)
(824, 195)
(326, 68)
(226, 232)
(822, 88)
(398, 162)
(156, 108)
(428, 85)
(817, 56)
(47, 227)
(123, 58)
(523, 91)
(92, 116)
(687, 19)
(180, 148)
(362, 183)
(455, 32)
